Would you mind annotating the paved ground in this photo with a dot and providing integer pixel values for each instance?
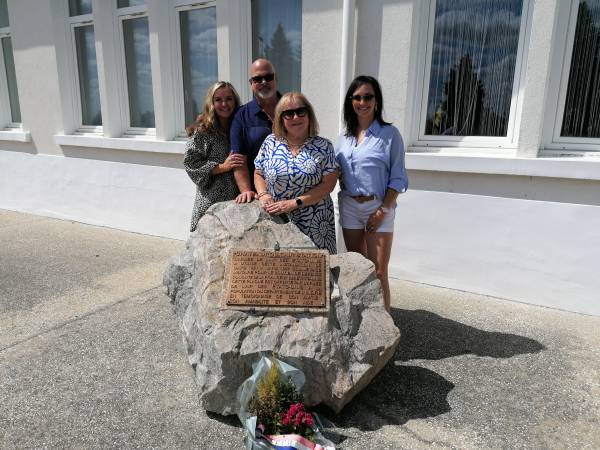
(91, 357)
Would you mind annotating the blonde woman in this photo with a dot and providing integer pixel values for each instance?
(208, 161)
(296, 170)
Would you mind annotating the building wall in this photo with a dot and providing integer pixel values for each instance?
(501, 223)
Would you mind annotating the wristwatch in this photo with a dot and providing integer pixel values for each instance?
(385, 209)
(299, 202)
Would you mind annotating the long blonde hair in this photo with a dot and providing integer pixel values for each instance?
(208, 119)
(279, 129)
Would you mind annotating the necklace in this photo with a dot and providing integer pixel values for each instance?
(295, 148)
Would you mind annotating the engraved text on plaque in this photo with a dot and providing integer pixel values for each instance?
(286, 278)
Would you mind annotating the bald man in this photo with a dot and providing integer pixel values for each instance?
(253, 123)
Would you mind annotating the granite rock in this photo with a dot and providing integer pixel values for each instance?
(339, 352)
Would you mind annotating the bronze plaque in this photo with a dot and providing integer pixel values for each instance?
(287, 279)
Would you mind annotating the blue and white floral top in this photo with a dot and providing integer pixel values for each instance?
(288, 176)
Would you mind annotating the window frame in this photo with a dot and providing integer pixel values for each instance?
(121, 15)
(508, 143)
(176, 8)
(6, 121)
(74, 22)
(557, 92)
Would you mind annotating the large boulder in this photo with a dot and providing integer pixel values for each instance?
(339, 351)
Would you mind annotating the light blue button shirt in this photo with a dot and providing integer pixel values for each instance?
(374, 165)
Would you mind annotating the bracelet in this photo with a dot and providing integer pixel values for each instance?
(385, 209)
(260, 194)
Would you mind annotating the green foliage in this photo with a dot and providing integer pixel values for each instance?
(274, 395)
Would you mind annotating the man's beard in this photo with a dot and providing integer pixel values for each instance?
(265, 94)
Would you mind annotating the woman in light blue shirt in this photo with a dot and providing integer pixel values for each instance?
(371, 158)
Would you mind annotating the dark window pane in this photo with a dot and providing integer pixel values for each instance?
(582, 105)
(472, 67)
(139, 74)
(128, 3)
(3, 14)
(199, 57)
(88, 75)
(11, 80)
(277, 36)
(79, 7)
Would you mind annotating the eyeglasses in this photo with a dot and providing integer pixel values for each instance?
(258, 79)
(289, 114)
(358, 98)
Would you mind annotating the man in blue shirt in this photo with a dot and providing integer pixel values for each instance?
(253, 123)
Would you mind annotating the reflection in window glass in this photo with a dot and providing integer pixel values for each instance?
(11, 80)
(199, 57)
(472, 67)
(139, 75)
(277, 36)
(582, 106)
(3, 14)
(88, 75)
(128, 3)
(79, 7)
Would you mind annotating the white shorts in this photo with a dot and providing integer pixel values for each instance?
(354, 215)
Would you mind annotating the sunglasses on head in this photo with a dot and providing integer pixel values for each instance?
(258, 79)
(289, 114)
(366, 97)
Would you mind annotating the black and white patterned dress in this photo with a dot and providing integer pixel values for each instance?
(204, 151)
(288, 176)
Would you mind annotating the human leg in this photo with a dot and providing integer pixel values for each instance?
(355, 241)
(379, 250)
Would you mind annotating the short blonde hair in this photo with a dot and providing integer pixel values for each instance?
(278, 125)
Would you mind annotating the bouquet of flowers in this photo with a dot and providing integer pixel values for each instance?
(273, 412)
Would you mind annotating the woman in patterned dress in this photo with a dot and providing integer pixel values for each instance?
(296, 170)
(208, 161)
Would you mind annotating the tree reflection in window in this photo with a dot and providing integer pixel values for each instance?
(582, 105)
(475, 45)
(277, 36)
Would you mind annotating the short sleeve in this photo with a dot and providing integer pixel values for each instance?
(329, 163)
(263, 153)
(197, 165)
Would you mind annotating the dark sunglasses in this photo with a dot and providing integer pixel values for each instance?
(258, 79)
(289, 114)
(366, 97)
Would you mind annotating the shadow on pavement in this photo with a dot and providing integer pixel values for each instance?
(397, 395)
(425, 335)
(403, 392)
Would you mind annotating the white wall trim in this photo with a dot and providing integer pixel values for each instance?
(572, 168)
(17, 135)
(122, 143)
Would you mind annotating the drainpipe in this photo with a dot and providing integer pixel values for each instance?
(347, 63)
(346, 74)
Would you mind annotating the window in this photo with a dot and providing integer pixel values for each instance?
(84, 49)
(472, 70)
(578, 110)
(135, 39)
(10, 111)
(199, 66)
(277, 36)
(133, 73)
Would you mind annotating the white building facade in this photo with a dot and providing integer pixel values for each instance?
(498, 102)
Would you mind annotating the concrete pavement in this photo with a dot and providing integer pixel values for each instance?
(91, 357)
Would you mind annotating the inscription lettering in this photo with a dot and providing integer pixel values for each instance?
(266, 278)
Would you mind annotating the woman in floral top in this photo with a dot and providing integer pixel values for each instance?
(296, 170)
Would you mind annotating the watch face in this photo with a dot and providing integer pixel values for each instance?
(298, 202)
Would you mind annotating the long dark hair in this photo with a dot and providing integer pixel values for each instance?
(350, 118)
